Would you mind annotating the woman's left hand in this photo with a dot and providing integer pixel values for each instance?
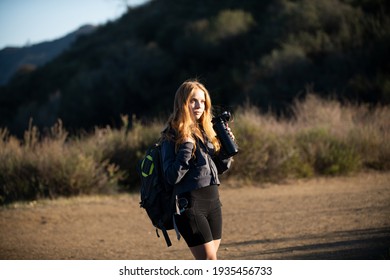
(230, 132)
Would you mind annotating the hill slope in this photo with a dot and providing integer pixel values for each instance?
(13, 59)
(264, 52)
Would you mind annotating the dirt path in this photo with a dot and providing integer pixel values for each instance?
(334, 218)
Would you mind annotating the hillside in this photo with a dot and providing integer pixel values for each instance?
(14, 59)
(264, 52)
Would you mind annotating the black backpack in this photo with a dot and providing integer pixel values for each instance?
(157, 196)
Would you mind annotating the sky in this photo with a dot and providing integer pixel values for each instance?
(24, 22)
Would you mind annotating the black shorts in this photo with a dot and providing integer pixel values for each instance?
(201, 220)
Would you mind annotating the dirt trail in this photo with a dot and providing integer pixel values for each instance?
(333, 218)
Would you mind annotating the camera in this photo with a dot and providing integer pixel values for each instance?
(228, 145)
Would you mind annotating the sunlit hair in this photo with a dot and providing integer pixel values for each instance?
(182, 120)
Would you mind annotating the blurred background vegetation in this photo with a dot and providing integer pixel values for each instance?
(324, 138)
(263, 52)
(65, 128)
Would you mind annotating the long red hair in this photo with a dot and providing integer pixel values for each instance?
(182, 120)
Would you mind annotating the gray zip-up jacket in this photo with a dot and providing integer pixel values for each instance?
(187, 172)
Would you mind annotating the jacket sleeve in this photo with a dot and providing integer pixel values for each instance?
(222, 164)
(176, 165)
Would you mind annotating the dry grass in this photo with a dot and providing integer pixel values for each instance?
(324, 138)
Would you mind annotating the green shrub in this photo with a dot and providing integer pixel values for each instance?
(326, 154)
(228, 23)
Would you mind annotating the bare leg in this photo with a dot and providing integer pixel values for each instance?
(216, 245)
(207, 251)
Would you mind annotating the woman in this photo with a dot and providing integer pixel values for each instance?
(191, 163)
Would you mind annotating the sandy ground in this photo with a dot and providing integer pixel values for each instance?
(327, 218)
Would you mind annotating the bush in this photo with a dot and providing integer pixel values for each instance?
(50, 167)
(228, 23)
(266, 148)
(323, 138)
(122, 147)
(326, 154)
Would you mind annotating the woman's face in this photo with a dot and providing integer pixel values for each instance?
(197, 103)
